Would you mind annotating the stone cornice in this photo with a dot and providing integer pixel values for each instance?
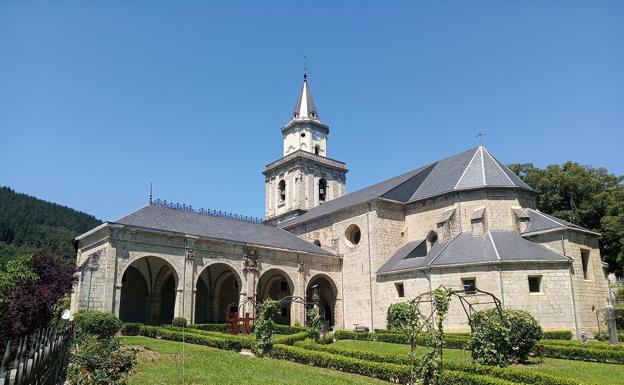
(308, 123)
(305, 156)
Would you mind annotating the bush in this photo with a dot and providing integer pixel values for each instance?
(288, 329)
(314, 324)
(97, 323)
(524, 333)
(557, 335)
(179, 322)
(399, 315)
(99, 362)
(489, 343)
(131, 329)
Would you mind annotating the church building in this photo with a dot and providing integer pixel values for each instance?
(465, 221)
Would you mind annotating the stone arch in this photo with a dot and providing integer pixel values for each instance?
(327, 292)
(148, 290)
(276, 284)
(218, 291)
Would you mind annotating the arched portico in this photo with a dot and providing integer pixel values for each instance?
(276, 284)
(218, 290)
(148, 291)
(323, 289)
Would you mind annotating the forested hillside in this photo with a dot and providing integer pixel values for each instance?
(28, 224)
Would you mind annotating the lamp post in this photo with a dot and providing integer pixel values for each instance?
(94, 265)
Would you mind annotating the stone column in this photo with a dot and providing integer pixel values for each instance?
(297, 309)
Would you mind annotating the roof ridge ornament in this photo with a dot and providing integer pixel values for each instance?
(202, 211)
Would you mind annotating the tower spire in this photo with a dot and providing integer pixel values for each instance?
(305, 108)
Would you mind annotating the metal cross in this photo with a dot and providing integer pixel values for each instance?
(480, 135)
(305, 67)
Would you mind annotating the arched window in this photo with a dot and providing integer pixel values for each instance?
(317, 242)
(317, 149)
(322, 189)
(281, 188)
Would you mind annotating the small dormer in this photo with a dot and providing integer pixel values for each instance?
(521, 216)
(445, 224)
(477, 222)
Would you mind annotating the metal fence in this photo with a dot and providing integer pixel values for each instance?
(40, 359)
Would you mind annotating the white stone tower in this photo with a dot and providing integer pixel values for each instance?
(304, 177)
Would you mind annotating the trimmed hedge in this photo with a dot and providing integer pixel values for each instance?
(557, 335)
(222, 328)
(381, 370)
(583, 354)
(593, 352)
(289, 339)
(277, 328)
(131, 328)
(224, 343)
(453, 342)
(577, 344)
(509, 374)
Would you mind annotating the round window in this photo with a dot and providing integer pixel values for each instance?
(303, 134)
(353, 235)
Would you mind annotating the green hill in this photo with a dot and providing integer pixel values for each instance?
(28, 224)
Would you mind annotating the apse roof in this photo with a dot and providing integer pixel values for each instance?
(464, 249)
(215, 227)
(475, 168)
(538, 221)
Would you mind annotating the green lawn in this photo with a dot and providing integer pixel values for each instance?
(586, 372)
(205, 365)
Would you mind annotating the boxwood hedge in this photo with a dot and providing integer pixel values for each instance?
(509, 374)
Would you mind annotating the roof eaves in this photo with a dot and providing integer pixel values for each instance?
(560, 228)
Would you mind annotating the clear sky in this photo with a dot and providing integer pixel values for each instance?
(98, 100)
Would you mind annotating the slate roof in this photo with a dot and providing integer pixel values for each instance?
(475, 168)
(305, 108)
(463, 249)
(180, 221)
(538, 221)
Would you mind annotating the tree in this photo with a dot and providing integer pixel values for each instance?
(32, 290)
(584, 195)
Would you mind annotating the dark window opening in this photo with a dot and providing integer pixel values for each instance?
(303, 134)
(282, 190)
(317, 242)
(585, 262)
(400, 289)
(317, 150)
(353, 234)
(535, 284)
(284, 312)
(322, 189)
(284, 286)
(470, 285)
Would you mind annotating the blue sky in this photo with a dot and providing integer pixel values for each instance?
(98, 99)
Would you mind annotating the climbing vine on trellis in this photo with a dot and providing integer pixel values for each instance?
(431, 368)
(264, 327)
(315, 324)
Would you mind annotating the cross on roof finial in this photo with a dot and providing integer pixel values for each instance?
(480, 135)
(305, 68)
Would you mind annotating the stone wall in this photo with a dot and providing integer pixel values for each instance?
(120, 246)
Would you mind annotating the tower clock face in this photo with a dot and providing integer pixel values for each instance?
(317, 135)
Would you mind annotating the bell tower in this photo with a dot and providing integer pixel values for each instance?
(304, 177)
